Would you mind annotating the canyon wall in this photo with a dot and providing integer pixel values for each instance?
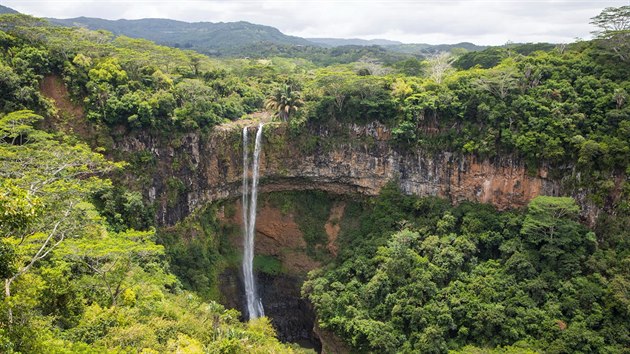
(191, 170)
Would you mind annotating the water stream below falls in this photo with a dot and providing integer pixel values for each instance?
(254, 304)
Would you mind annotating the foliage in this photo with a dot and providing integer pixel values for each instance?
(614, 31)
(453, 278)
(71, 284)
(48, 181)
(198, 258)
(284, 102)
(267, 264)
(123, 209)
(122, 81)
(84, 270)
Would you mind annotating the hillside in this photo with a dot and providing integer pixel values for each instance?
(204, 37)
(244, 39)
(7, 10)
(419, 48)
(336, 42)
(247, 39)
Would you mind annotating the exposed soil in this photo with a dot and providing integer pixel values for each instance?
(333, 226)
(277, 235)
(70, 117)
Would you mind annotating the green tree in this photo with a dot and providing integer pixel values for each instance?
(614, 30)
(613, 19)
(50, 179)
(284, 102)
(499, 81)
(544, 214)
(558, 241)
(112, 257)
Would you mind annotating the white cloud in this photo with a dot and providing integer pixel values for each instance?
(429, 21)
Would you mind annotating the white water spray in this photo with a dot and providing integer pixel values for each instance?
(254, 305)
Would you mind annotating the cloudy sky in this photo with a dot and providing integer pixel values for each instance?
(419, 21)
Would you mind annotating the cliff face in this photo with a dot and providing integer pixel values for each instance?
(291, 315)
(278, 236)
(195, 169)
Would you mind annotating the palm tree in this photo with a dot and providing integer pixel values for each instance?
(284, 101)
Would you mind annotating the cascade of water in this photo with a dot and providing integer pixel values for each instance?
(254, 305)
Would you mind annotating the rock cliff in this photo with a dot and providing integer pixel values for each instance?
(277, 236)
(193, 169)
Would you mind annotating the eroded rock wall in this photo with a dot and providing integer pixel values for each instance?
(277, 236)
(353, 159)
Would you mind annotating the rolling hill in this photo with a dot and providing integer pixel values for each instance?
(7, 10)
(206, 37)
(242, 38)
(336, 42)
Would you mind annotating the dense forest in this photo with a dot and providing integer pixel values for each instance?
(87, 267)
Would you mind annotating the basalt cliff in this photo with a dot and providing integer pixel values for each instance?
(188, 171)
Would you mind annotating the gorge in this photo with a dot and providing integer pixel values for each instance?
(343, 200)
(213, 170)
(341, 160)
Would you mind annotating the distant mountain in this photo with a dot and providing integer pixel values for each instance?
(7, 10)
(244, 39)
(205, 37)
(337, 42)
(423, 48)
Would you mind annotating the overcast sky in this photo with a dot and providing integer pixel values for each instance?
(420, 21)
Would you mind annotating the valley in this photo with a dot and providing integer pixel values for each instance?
(217, 191)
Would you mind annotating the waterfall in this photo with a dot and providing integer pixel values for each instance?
(249, 199)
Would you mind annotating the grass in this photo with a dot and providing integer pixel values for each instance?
(267, 264)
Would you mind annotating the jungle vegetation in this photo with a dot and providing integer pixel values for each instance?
(83, 269)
